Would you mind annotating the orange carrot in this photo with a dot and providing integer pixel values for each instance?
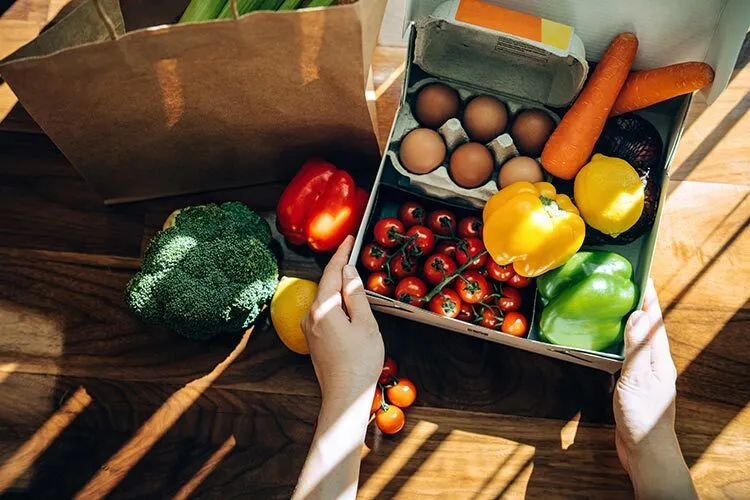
(571, 144)
(644, 88)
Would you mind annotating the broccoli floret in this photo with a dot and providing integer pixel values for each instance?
(208, 274)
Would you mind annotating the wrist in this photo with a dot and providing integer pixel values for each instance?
(658, 469)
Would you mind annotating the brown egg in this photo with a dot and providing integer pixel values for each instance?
(436, 104)
(422, 151)
(520, 168)
(531, 130)
(471, 165)
(485, 118)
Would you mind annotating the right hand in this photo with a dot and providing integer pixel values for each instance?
(345, 344)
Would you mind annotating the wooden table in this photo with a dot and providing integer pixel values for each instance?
(93, 402)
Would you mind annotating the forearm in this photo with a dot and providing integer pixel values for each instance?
(332, 466)
(660, 472)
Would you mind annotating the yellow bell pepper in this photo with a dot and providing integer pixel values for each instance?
(533, 227)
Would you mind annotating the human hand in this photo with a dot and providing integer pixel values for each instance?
(644, 407)
(345, 344)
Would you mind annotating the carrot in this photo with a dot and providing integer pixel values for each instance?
(570, 145)
(644, 88)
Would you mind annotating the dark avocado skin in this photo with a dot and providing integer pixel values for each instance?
(636, 141)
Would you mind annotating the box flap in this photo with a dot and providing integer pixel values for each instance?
(496, 49)
(669, 31)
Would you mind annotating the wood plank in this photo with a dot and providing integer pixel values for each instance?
(440, 453)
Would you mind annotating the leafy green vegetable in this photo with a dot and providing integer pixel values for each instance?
(202, 10)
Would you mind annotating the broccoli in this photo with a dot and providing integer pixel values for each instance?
(209, 272)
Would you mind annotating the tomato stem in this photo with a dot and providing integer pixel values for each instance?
(455, 273)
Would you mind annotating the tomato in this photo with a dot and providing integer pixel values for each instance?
(437, 267)
(402, 394)
(378, 282)
(442, 222)
(519, 281)
(411, 290)
(373, 257)
(424, 240)
(388, 232)
(466, 313)
(498, 272)
(510, 299)
(490, 318)
(390, 420)
(447, 303)
(411, 214)
(470, 227)
(377, 400)
(468, 249)
(448, 247)
(515, 324)
(472, 287)
(388, 372)
(401, 266)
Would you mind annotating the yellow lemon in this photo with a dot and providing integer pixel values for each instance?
(289, 305)
(609, 194)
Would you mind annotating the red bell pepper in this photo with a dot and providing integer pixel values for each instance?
(320, 206)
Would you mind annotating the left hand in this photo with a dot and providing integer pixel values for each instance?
(345, 344)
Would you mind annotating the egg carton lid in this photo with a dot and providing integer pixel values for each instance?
(469, 41)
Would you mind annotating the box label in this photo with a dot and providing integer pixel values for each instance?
(522, 25)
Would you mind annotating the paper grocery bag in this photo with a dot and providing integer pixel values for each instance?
(162, 109)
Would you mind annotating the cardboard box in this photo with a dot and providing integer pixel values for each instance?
(537, 62)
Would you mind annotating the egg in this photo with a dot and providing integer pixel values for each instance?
(471, 165)
(436, 104)
(531, 130)
(520, 168)
(485, 118)
(422, 151)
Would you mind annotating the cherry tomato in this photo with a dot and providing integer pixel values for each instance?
(498, 272)
(437, 267)
(401, 266)
(388, 372)
(490, 319)
(411, 290)
(466, 313)
(378, 282)
(447, 303)
(472, 287)
(377, 400)
(470, 227)
(510, 299)
(515, 324)
(448, 247)
(402, 394)
(519, 281)
(468, 249)
(388, 232)
(373, 257)
(442, 222)
(411, 214)
(390, 420)
(424, 240)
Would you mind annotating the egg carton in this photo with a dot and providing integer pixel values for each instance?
(438, 183)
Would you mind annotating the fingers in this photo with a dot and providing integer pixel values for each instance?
(354, 295)
(661, 359)
(637, 345)
(330, 282)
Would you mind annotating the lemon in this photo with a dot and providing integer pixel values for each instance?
(289, 305)
(609, 194)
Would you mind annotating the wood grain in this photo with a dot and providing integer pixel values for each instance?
(81, 380)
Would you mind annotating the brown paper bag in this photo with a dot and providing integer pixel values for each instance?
(173, 109)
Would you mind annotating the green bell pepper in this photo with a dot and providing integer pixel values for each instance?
(586, 301)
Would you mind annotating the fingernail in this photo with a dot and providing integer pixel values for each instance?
(634, 318)
(350, 271)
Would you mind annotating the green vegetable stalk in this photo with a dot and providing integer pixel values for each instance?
(587, 300)
(290, 4)
(320, 3)
(202, 10)
(243, 7)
